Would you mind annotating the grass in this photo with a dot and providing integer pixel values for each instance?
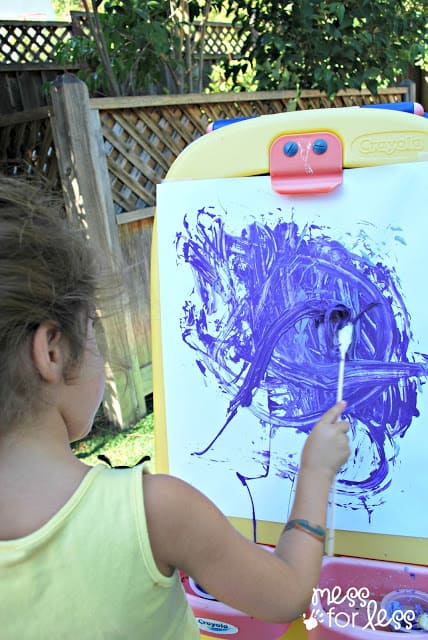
(123, 448)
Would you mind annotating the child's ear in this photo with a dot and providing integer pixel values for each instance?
(47, 351)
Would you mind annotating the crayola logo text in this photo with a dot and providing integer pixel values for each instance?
(216, 626)
(388, 145)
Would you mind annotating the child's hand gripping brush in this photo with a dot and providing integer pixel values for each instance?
(344, 339)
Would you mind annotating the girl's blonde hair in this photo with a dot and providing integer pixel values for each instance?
(48, 271)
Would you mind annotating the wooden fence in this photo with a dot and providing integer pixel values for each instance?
(144, 134)
(117, 150)
(28, 61)
(28, 56)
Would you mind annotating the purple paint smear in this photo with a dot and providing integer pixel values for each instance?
(263, 320)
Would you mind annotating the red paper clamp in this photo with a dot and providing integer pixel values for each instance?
(304, 163)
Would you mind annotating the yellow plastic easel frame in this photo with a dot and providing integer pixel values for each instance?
(369, 137)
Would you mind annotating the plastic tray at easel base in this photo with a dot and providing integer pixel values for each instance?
(340, 609)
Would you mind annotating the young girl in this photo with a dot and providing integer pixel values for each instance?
(93, 553)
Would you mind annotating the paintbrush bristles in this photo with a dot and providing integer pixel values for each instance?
(344, 339)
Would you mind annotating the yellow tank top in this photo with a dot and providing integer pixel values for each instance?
(89, 573)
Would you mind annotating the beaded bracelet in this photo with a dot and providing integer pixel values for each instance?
(316, 531)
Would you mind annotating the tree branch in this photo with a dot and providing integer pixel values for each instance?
(97, 33)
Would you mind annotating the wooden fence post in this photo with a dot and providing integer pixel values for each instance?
(87, 192)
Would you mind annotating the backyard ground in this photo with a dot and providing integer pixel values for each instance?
(121, 447)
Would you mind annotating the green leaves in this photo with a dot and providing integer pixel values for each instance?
(295, 44)
(333, 45)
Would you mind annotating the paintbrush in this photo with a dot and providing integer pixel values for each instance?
(344, 339)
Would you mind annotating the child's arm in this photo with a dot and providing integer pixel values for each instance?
(326, 449)
(188, 532)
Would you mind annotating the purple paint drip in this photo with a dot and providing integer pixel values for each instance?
(263, 320)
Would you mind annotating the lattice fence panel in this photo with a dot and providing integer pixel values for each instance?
(141, 144)
(220, 40)
(33, 42)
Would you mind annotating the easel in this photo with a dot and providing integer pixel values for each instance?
(358, 138)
